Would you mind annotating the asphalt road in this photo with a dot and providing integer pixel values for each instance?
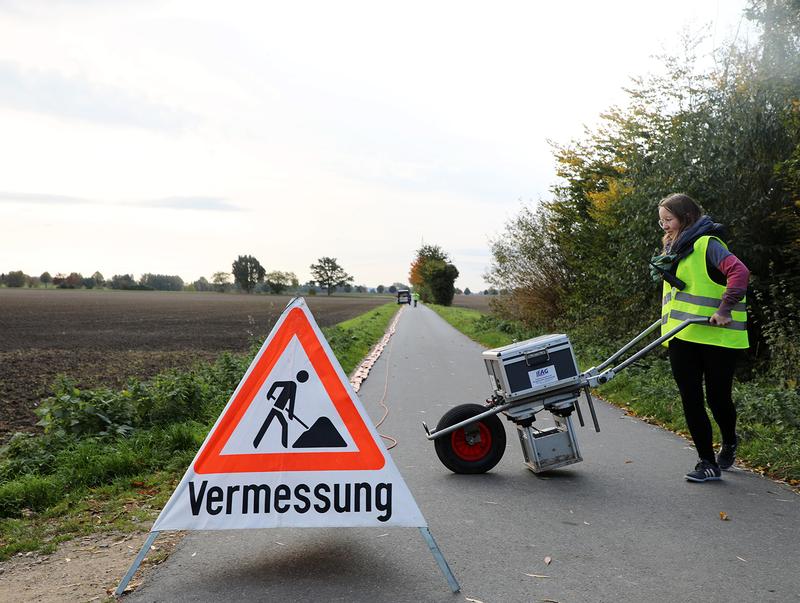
(623, 525)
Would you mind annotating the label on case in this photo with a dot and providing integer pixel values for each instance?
(543, 376)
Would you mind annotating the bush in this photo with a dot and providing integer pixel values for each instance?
(28, 453)
(86, 412)
(32, 492)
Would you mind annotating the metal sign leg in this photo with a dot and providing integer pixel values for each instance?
(136, 563)
(437, 554)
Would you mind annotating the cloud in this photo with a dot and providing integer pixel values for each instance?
(42, 198)
(203, 203)
(75, 98)
(179, 202)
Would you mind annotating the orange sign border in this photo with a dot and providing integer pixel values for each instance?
(368, 457)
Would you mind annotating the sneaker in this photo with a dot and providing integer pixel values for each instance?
(704, 471)
(727, 455)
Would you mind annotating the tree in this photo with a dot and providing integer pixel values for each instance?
(328, 274)
(45, 278)
(161, 282)
(73, 281)
(278, 281)
(16, 278)
(433, 276)
(247, 271)
(99, 280)
(221, 280)
(380, 289)
(467, 291)
(202, 284)
(122, 281)
(426, 253)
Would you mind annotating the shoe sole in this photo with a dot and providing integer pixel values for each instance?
(698, 480)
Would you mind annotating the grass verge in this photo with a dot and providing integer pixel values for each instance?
(768, 416)
(110, 459)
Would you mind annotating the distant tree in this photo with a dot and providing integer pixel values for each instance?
(329, 274)
(73, 281)
(348, 288)
(221, 280)
(58, 279)
(46, 279)
(425, 254)
(433, 275)
(467, 291)
(161, 282)
(122, 281)
(88, 282)
(33, 281)
(458, 291)
(278, 281)
(202, 284)
(380, 289)
(247, 271)
(99, 280)
(392, 289)
(16, 278)
(360, 289)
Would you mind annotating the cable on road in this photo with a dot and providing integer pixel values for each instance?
(361, 373)
(382, 401)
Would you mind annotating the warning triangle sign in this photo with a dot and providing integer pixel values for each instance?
(293, 447)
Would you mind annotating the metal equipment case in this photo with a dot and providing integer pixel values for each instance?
(532, 367)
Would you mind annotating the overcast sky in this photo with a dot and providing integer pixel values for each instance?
(170, 137)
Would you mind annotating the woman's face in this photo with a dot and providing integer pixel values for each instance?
(669, 222)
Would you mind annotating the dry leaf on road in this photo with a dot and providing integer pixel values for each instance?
(547, 560)
(723, 516)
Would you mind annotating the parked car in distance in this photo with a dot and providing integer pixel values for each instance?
(403, 296)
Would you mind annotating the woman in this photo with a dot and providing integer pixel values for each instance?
(702, 279)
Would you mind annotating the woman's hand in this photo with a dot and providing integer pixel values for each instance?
(719, 319)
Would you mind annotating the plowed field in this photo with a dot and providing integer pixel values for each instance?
(104, 337)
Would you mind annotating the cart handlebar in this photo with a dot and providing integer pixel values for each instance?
(598, 379)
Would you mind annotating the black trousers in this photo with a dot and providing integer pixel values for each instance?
(695, 363)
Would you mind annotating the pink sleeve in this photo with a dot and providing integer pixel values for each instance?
(737, 275)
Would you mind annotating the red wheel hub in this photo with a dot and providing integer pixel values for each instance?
(475, 451)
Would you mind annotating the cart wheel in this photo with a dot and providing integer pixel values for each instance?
(475, 448)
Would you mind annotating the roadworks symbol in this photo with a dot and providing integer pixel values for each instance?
(322, 434)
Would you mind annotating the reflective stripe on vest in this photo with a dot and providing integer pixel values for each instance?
(700, 299)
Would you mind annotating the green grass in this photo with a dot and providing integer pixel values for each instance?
(109, 460)
(768, 416)
(352, 339)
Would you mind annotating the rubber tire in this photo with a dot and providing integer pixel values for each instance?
(444, 445)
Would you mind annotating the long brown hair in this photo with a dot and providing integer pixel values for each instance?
(685, 209)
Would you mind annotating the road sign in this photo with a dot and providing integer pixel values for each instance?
(293, 447)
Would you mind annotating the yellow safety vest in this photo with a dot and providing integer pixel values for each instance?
(701, 298)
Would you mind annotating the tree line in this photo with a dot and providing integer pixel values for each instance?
(729, 136)
(247, 274)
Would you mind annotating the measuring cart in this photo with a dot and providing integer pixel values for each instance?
(529, 377)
